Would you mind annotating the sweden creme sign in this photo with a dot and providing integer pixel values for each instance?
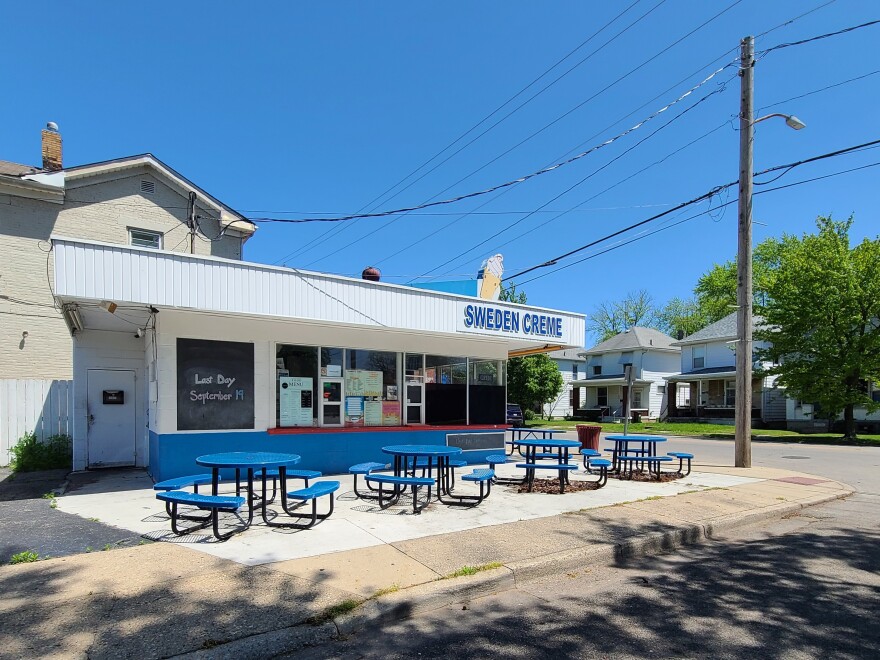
(491, 319)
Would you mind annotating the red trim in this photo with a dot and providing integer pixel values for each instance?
(383, 429)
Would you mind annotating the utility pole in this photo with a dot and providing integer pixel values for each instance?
(744, 258)
(191, 221)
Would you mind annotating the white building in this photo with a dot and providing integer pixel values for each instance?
(705, 388)
(652, 356)
(179, 355)
(571, 366)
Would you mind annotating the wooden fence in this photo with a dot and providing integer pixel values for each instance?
(44, 407)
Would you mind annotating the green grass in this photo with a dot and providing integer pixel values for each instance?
(718, 431)
(330, 613)
(471, 570)
(24, 557)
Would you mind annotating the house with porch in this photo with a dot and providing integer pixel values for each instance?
(571, 363)
(705, 388)
(601, 394)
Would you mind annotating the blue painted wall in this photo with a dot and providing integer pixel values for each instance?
(174, 454)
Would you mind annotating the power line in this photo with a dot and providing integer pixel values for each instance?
(546, 126)
(335, 231)
(706, 212)
(816, 91)
(531, 98)
(587, 141)
(707, 195)
(796, 18)
(593, 173)
(817, 38)
(521, 179)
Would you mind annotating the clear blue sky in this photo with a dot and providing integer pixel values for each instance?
(292, 109)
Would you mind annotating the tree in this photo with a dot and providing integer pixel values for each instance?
(510, 294)
(613, 317)
(716, 289)
(680, 317)
(822, 315)
(533, 381)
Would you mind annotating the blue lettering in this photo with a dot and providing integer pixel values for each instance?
(527, 324)
(480, 317)
(535, 324)
(469, 316)
(514, 325)
(543, 325)
(507, 320)
(558, 326)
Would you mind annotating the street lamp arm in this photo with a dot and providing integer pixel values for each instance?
(791, 120)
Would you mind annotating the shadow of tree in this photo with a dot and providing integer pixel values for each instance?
(804, 594)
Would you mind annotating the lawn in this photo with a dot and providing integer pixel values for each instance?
(721, 431)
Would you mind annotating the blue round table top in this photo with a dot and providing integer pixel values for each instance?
(248, 459)
(559, 444)
(636, 438)
(421, 450)
(525, 429)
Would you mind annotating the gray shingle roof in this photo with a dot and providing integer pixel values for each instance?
(8, 168)
(635, 338)
(568, 354)
(723, 329)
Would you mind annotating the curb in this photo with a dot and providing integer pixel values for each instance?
(431, 596)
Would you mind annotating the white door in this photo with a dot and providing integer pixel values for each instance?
(111, 418)
(415, 401)
(331, 402)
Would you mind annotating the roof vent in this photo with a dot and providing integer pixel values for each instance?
(371, 273)
(148, 187)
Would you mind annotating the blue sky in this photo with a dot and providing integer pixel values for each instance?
(289, 110)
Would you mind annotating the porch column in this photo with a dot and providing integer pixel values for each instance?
(575, 399)
(671, 399)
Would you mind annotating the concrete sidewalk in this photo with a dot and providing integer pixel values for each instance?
(161, 599)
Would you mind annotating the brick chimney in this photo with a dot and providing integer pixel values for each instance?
(51, 147)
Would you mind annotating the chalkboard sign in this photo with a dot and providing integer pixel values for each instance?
(476, 441)
(215, 385)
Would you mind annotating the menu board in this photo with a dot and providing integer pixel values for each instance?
(354, 411)
(390, 413)
(360, 382)
(295, 401)
(372, 413)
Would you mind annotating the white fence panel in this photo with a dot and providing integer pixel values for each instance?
(44, 407)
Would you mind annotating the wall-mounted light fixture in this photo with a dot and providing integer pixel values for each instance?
(109, 306)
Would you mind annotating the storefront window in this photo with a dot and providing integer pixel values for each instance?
(371, 388)
(488, 392)
(445, 390)
(296, 372)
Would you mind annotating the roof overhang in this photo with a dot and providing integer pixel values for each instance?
(712, 375)
(138, 279)
(229, 217)
(602, 382)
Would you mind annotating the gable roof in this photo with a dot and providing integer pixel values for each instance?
(8, 168)
(723, 329)
(128, 162)
(25, 174)
(634, 339)
(575, 354)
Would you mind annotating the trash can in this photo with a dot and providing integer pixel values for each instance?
(588, 435)
(636, 416)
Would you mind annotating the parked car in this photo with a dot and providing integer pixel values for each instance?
(514, 414)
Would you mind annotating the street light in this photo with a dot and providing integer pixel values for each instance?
(743, 402)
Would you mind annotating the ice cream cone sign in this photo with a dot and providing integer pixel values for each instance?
(489, 278)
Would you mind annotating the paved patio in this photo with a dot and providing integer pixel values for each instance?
(126, 499)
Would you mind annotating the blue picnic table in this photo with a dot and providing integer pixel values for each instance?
(519, 433)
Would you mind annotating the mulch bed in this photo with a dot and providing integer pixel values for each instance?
(551, 486)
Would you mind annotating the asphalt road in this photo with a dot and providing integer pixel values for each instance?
(807, 586)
